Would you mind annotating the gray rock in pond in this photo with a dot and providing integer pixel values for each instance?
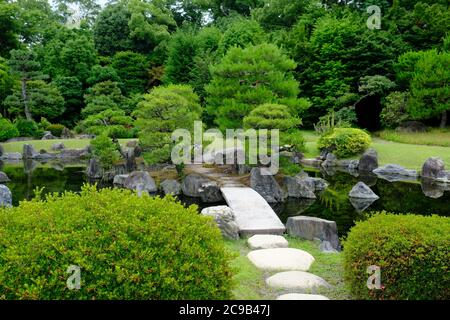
(11, 156)
(3, 177)
(299, 188)
(94, 170)
(2, 151)
(224, 218)
(119, 179)
(266, 185)
(362, 191)
(140, 180)
(57, 146)
(330, 161)
(28, 151)
(210, 192)
(48, 136)
(368, 161)
(192, 184)
(171, 186)
(348, 164)
(5, 196)
(395, 172)
(311, 227)
(319, 183)
(74, 153)
(361, 204)
(434, 168)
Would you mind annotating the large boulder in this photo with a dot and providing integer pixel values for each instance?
(266, 185)
(299, 188)
(28, 151)
(94, 170)
(192, 184)
(362, 191)
(311, 228)
(5, 196)
(3, 177)
(368, 161)
(395, 172)
(224, 218)
(210, 192)
(434, 168)
(141, 181)
(119, 179)
(171, 186)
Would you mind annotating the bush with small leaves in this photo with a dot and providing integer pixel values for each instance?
(56, 129)
(7, 130)
(345, 142)
(126, 246)
(105, 151)
(412, 252)
(28, 128)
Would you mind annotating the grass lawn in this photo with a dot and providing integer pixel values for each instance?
(411, 156)
(250, 281)
(46, 144)
(434, 137)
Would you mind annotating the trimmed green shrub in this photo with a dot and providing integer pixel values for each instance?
(7, 130)
(126, 246)
(412, 251)
(345, 142)
(28, 128)
(105, 151)
(56, 129)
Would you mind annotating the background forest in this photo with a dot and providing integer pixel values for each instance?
(93, 67)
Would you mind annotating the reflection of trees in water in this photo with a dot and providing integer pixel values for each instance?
(24, 181)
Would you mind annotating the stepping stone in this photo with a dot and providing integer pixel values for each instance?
(296, 280)
(301, 296)
(281, 259)
(267, 241)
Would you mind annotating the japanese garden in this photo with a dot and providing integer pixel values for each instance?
(224, 150)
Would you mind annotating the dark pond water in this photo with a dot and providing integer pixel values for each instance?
(332, 204)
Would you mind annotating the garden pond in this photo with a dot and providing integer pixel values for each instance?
(332, 204)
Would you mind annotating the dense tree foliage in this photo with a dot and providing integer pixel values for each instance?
(317, 57)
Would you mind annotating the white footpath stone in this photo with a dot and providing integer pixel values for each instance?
(281, 259)
(269, 241)
(296, 280)
(301, 296)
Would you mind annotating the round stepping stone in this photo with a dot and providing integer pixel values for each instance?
(301, 296)
(267, 241)
(296, 280)
(281, 259)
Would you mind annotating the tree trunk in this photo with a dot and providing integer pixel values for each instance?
(25, 100)
(443, 120)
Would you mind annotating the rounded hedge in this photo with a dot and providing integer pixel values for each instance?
(345, 142)
(7, 130)
(28, 128)
(56, 129)
(127, 247)
(412, 251)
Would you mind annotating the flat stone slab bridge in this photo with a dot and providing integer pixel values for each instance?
(253, 214)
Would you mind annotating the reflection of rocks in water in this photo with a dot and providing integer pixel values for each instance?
(57, 166)
(329, 171)
(29, 165)
(349, 170)
(292, 206)
(361, 204)
(433, 189)
(368, 178)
